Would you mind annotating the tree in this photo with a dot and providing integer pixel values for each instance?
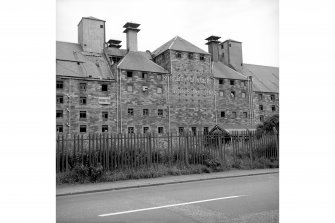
(268, 124)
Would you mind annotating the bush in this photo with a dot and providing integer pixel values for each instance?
(267, 125)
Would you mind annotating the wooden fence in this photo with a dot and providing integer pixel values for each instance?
(118, 151)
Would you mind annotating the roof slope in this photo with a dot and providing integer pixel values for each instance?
(264, 78)
(178, 43)
(220, 70)
(72, 61)
(139, 61)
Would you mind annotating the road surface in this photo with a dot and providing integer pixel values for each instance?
(242, 199)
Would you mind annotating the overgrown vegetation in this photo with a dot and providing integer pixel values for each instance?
(268, 125)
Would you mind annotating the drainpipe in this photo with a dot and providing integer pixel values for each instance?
(169, 117)
(117, 102)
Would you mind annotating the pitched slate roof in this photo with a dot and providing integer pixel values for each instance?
(264, 78)
(72, 61)
(139, 61)
(178, 43)
(220, 70)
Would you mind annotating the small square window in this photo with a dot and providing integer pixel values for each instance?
(160, 130)
(129, 74)
(104, 87)
(59, 99)
(104, 128)
(243, 94)
(232, 82)
(229, 44)
(222, 46)
(82, 86)
(145, 130)
(221, 93)
(245, 114)
(104, 115)
(234, 114)
(130, 130)
(130, 111)
(129, 88)
(273, 107)
(59, 84)
(101, 26)
(160, 112)
(144, 76)
(260, 97)
(194, 130)
(223, 114)
(202, 57)
(220, 81)
(181, 130)
(82, 128)
(205, 130)
(145, 112)
(82, 115)
(159, 90)
(159, 77)
(232, 94)
(59, 114)
(82, 100)
(190, 56)
(178, 54)
(261, 107)
(261, 118)
(273, 97)
(59, 128)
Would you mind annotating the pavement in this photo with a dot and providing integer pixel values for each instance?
(233, 197)
(68, 189)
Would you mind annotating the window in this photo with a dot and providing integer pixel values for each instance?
(104, 115)
(160, 130)
(234, 114)
(221, 93)
(129, 74)
(181, 130)
(159, 90)
(82, 86)
(101, 26)
(232, 82)
(104, 87)
(104, 128)
(222, 46)
(82, 115)
(194, 130)
(261, 107)
(82, 100)
(261, 118)
(160, 112)
(82, 128)
(243, 94)
(202, 57)
(144, 76)
(205, 130)
(59, 114)
(145, 112)
(223, 114)
(232, 94)
(60, 99)
(244, 83)
(245, 114)
(178, 54)
(220, 81)
(145, 130)
(260, 97)
(130, 130)
(130, 111)
(229, 44)
(59, 128)
(190, 56)
(159, 77)
(273, 97)
(59, 85)
(129, 88)
(273, 107)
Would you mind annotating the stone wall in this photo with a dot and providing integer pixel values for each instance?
(267, 104)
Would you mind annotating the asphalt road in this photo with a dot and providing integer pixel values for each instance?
(242, 199)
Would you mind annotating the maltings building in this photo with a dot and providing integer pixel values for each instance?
(177, 87)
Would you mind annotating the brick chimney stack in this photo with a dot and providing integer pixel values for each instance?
(131, 29)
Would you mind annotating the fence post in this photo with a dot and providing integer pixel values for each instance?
(250, 148)
(276, 133)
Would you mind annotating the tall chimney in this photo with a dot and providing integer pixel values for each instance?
(213, 47)
(131, 29)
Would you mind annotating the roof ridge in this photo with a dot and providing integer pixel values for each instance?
(172, 42)
(260, 65)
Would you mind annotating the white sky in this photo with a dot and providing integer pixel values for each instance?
(253, 22)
